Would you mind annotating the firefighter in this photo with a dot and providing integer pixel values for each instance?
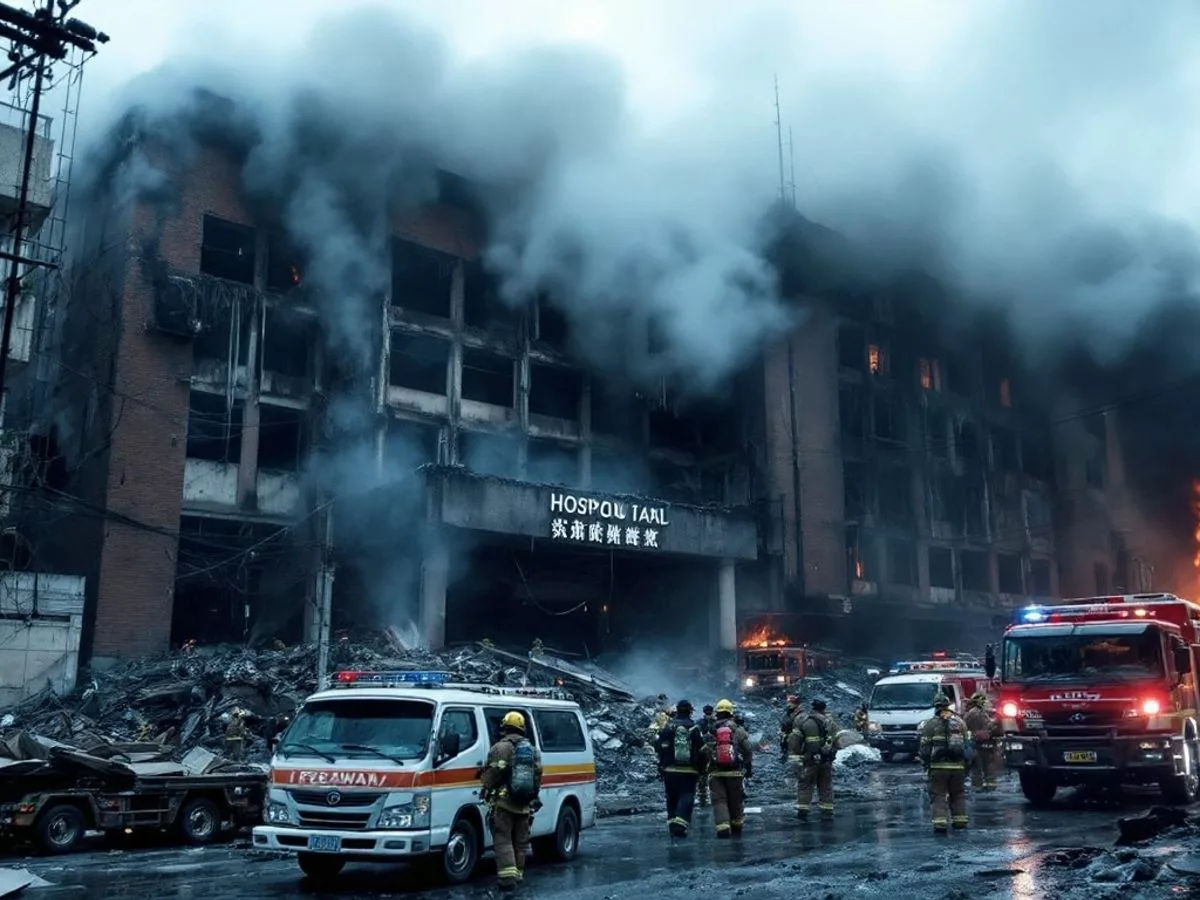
(512, 779)
(235, 735)
(680, 752)
(730, 762)
(812, 749)
(945, 750)
(862, 720)
(985, 731)
(707, 723)
(786, 724)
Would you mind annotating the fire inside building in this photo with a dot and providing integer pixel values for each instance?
(447, 466)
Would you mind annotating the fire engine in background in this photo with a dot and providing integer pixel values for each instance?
(1102, 690)
(769, 661)
(901, 700)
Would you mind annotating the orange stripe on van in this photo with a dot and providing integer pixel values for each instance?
(373, 779)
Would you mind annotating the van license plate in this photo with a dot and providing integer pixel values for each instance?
(1080, 756)
(324, 843)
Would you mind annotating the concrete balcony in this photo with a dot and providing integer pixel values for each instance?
(12, 154)
(212, 486)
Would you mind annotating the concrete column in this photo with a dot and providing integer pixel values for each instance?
(247, 477)
(435, 572)
(727, 605)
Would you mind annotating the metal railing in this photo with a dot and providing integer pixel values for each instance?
(18, 118)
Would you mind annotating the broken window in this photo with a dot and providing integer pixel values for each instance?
(1039, 577)
(974, 507)
(949, 502)
(1005, 393)
(214, 428)
(288, 342)
(550, 462)
(1009, 575)
(490, 454)
(851, 341)
(975, 574)
(482, 306)
(937, 433)
(673, 481)
(227, 250)
(1100, 571)
(1037, 511)
(1036, 457)
(877, 359)
(889, 418)
(487, 378)
(929, 371)
(671, 431)
(419, 362)
(966, 442)
(941, 567)
(861, 564)
(854, 491)
(284, 271)
(550, 323)
(616, 412)
(554, 392)
(422, 278)
(852, 413)
(902, 562)
(1005, 455)
(409, 445)
(895, 496)
(280, 437)
(220, 338)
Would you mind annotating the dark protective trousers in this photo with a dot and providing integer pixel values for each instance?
(948, 797)
(817, 778)
(702, 789)
(986, 767)
(729, 802)
(510, 836)
(681, 795)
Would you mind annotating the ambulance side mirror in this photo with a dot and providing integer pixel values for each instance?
(1183, 660)
(449, 746)
(989, 662)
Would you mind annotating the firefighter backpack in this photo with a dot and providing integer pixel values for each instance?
(522, 778)
(682, 746)
(725, 751)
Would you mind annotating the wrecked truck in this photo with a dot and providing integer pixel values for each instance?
(53, 802)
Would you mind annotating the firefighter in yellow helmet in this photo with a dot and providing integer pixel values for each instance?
(512, 779)
(945, 749)
(730, 762)
(985, 730)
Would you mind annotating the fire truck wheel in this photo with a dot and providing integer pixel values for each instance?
(1037, 788)
(199, 821)
(1181, 790)
(320, 868)
(60, 828)
(886, 755)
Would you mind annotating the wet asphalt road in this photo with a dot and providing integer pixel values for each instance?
(879, 845)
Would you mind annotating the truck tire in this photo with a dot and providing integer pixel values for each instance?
(60, 828)
(564, 843)
(1037, 788)
(461, 854)
(199, 821)
(886, 755)
(1182, 790)
(320, 867)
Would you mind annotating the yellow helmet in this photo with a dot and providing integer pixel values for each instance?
(725, 706)
(513, 720)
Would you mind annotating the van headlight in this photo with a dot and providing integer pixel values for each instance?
(278, 814)
(750, 681)
(407, 815)
(781, 679)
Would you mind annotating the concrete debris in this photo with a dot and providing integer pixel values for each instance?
(1136, 829)
(15, 881)
(856, 756)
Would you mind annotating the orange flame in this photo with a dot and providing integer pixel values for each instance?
(764, 637)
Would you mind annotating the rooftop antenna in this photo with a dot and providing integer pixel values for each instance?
(779, 139)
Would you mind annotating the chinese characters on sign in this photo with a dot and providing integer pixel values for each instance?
(609, 523)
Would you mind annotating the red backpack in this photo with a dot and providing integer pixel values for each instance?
(725, 753)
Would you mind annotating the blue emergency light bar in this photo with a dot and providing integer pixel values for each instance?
(935, 665)
(389, 679)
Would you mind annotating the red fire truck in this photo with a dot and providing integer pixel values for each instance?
(1102, 690)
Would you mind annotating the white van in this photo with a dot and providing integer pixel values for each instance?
(902, 700)
(384, 767)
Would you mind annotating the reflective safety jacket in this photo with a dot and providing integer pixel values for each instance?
(983, 725)
(666, 747)
(945, 742)
(811, 742)
(496, 772)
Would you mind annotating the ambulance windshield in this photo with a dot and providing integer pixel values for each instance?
(392, 729)
(903, 695)
(1122, 655)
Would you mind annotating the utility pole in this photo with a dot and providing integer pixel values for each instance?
(35, 39)
(779, 141)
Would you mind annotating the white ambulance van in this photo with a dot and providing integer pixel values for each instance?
(385, 766)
